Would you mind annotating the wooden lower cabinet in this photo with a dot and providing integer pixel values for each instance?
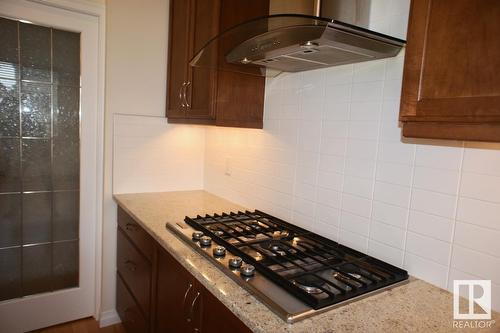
(216, 318)
(174, 296)
(155, 293)
(128, 310)
(184, 305)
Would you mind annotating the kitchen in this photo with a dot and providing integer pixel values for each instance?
(371, 157)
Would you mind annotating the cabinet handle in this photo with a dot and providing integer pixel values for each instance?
(192, 307)
(130, 227)
(186, 294)
(185, 92)
(131, 266)
(188, 319)
(181, 94)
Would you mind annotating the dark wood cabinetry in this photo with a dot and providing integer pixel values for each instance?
(451, 88)
(203, 95)
(135, 270)
(191, 91)
(155, 293)
(175, 296)
(184, 305)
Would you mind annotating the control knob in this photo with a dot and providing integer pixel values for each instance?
(197, 235)
(219, 251)
(247, 270)
(235, 262)
(205, 241)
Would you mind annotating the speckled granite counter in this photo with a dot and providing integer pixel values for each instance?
(414, 307)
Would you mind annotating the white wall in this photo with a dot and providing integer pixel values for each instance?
(142, 152)
(331, 159)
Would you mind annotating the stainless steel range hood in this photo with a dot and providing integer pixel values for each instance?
(304, 35)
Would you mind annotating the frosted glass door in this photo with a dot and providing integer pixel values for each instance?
(39, 159)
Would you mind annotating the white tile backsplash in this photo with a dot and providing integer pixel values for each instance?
(148, 155)
(482, 213)
(431, 225)
(428, 248)
(482, 187)
(419, 204)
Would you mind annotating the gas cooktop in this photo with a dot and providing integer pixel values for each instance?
(297, 273)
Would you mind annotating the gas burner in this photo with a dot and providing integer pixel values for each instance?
(276, 248)
(310, 283)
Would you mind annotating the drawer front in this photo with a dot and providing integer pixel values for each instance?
(128, 310)
(136, 233)
(135, 271)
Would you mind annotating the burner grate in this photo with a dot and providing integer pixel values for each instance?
(316, 270)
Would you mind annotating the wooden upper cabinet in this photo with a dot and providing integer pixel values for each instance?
(209, 96)
(191, 91)
(451, 86)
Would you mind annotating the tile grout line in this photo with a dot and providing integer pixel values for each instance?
(316, 181)
(409, 205)
(377, 149)
(345, 154)
(296, 153)
(455, 213)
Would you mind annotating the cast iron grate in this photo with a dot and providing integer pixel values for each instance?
(316, 270)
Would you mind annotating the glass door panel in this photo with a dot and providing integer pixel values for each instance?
(39, 159)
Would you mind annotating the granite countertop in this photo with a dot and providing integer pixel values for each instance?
(414, 307)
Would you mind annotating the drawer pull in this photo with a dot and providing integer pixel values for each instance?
(130, 227)
(131, 266)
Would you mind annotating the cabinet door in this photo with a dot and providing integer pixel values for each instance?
(191, 91)
(201, 83)
(240, 97)
(178, 58)
(175, 293)
(450, 85)
(212, 316)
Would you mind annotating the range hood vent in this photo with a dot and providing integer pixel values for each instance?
(278, 43)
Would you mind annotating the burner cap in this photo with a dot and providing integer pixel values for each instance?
(278, 248)
(309, 283)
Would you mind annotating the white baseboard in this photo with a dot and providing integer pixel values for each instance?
(109, 318)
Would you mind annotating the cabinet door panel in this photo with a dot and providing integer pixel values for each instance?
(245, 91)
(128, 310)
(450, 89)
(175, 292)
(214, 317)
(451, 60)
(178, 49)
(137, 235)
(135, 271)
(202, 81)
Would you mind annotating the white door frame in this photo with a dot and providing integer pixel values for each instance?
(32, 312)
